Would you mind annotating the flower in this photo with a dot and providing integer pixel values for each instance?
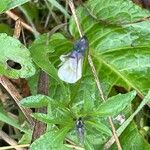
(70, 69)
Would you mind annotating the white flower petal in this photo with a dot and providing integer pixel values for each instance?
(71, 70)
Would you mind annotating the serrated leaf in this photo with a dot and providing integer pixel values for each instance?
(116, 11)
(50, 140)
(12, 49)
(115, 104)
(119, 56)
(36, 101)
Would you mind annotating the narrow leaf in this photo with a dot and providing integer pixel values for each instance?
(115, 104)
(60, 7)
(35, 101)
(127, 122)
(16, 3)
(46, 119)
(4, 117)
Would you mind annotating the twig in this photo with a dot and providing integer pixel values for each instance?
(17, 97)
(95, 74)
(9, 140)
(18, 28)
(47, 20)
(14, 146)
(15, 17)
(71, 4)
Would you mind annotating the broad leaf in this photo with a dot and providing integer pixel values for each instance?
(4, 4)
(121, 54)
(36, 101)
(115, 104)
(116, 11)
(12, 50)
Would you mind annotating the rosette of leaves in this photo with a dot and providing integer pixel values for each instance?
(119, 47)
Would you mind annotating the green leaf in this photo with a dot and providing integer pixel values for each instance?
(60, 7)
(124, 126)
(26, 138)
(58, 118)
(128, 121)
(16, 3)
(36, 101)
(4, 117)
(120, 53)
(115, 104)
(13, 50)
(45, 53)
(4, 28)
(116, 11)
(46, 119)
(100, 127)
(132, 139)
(43, 46)
(50, 140)
(4, 4)
(88, 145)
(11, 4)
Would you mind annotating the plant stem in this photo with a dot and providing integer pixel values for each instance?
(95, 74)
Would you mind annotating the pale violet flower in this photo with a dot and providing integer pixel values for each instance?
(70, 69)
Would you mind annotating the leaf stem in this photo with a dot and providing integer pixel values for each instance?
(94, 73)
